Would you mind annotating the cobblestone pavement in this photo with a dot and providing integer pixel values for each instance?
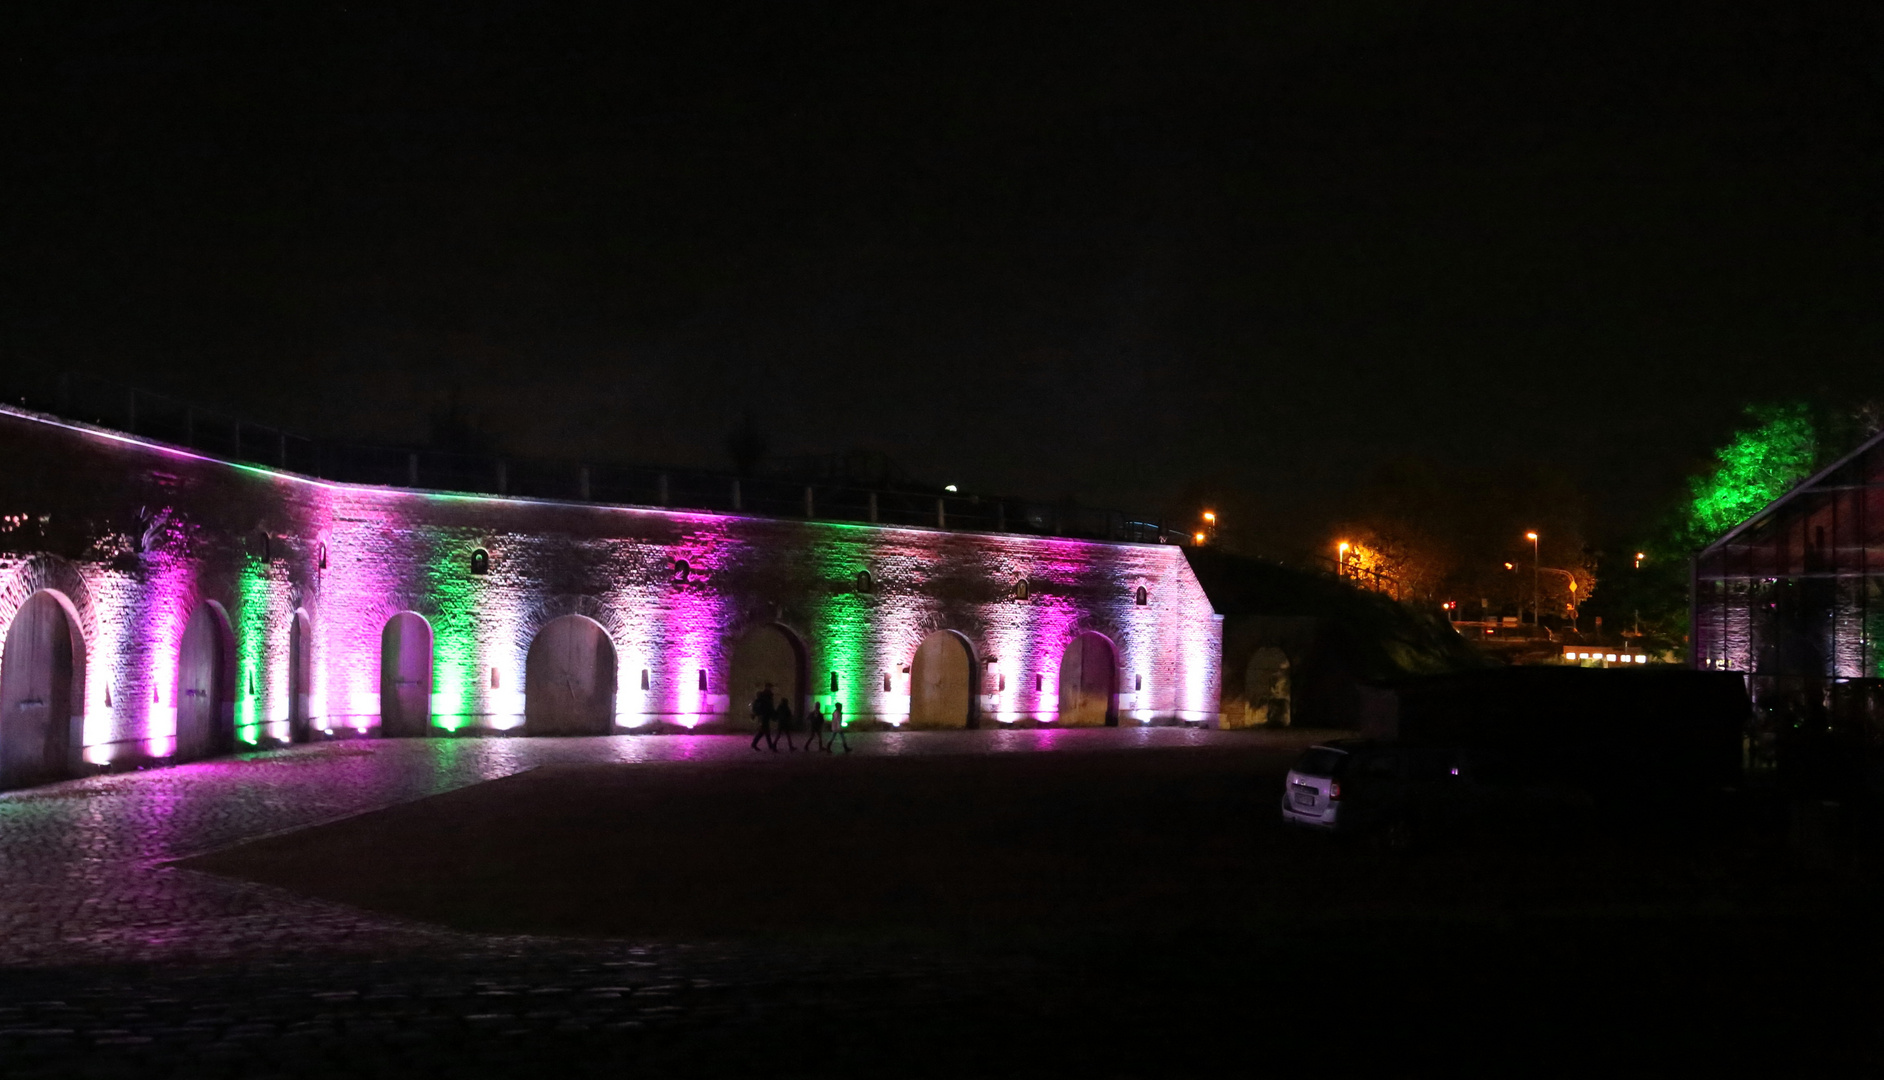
(114, 963)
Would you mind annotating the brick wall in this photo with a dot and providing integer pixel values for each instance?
(136, 534)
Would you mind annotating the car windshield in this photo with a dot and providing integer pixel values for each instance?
(1322, 761)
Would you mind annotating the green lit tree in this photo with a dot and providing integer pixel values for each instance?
(1759, 464)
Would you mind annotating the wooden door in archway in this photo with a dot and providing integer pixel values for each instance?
(205, 695)
(39, 692)
(569, 679)
(941, 683)
(300, 676)
(1089, 682)
(405, 677)
(766, 656)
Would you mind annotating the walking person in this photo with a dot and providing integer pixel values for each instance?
(814, 720)
(782, 712)
(837, 728)
(762, 711)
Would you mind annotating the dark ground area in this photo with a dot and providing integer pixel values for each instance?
(1136, 913)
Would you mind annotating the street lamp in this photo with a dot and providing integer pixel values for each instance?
(1199, 537)
(1210, 523)
(1341, 559)
(1638, 560)
(1532, 537)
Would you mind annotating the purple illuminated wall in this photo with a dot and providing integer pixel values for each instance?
(136, 535)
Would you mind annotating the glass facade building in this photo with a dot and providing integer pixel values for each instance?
(1794, 598)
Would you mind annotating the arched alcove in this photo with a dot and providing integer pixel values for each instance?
(1089, 682)
(300, 676)
(405, 677)
(42, 692)
(205, 694)
(942, 682)
(569, 679)
(768, 653)
(1266, 687)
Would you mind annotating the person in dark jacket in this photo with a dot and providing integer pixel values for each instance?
(782, 713)
(814, 727)
(763, 711)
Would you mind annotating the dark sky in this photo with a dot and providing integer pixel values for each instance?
(1115, 250)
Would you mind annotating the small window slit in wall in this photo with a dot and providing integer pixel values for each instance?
(480, 562)
(494, 683)
(702, 680)
(886, 682)
(1138, 682)
(644, 678)
(1040, 683)
(1142, 597)
(1000, 682)
(833, 682)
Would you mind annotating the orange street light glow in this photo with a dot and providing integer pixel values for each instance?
(1200, 538)
(1530, 536)
(1208, 516)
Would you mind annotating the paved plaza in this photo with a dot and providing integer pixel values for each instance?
(118, 962)
(1102, 903)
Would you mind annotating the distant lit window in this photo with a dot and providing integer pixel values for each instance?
(1022, 589)
(1142, 597)
(480, 562)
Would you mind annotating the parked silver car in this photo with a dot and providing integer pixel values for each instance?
(1312, 793)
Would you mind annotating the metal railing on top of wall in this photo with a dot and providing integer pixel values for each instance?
(110, 404)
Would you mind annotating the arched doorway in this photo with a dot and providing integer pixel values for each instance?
(42, 692)
(569, 679)
(941, 682)
(1089, 682)
(206, 685)
(766, 654)
(405, 677)
(1266, 687)
(300, 677)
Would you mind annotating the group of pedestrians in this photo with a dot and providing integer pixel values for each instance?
(770, 709)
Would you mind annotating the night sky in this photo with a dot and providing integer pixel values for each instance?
(1133, 253)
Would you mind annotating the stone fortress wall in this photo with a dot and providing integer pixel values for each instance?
(161, 604)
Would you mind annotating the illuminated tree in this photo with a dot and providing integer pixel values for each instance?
(1758, 465)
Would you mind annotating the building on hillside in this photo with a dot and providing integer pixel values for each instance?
(1793, 598)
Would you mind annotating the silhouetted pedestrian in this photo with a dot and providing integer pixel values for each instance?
(786, 722)
(763, 711)
(814, 723)
(837, 727)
